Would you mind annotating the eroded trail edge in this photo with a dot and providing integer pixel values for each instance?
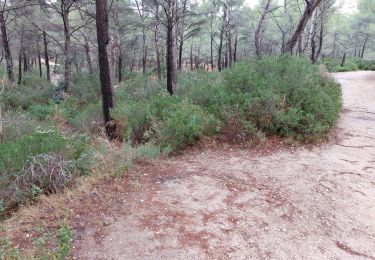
(219, 204)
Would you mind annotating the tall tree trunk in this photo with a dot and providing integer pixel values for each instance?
(1, 128)
(25, 61)
(20, 67)
(67, 46)
(144, 49)
(88, 56)
(120, 66)
(259, 30)
(20, 58)
(55, 67)
(105, 74)
(180, 50)
(364, 46)
(313, 36)
(310, 7)
(321, 36)
(39, 60)
(157, 45)
(5, 42)
(191, 58)
(45, 42)
(212, 44)
(220, 48)
(229, 38)
(235, 49)
(343, 59)
(171, 46)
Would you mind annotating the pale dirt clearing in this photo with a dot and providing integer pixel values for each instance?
(316, 203)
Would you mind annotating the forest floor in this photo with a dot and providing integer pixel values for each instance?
(275, 202)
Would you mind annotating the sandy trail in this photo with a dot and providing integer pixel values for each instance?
(291, 204)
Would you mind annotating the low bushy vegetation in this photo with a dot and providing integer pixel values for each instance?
(285, 96)
(50, 139)
(351, 64)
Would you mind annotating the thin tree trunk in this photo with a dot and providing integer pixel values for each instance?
(157, 47)
(364, 46)
(105, 74)
(20, 56)
(5, 42)
(55, 67)
(88, 56)
(39, 60)
(1, 128)
(25, 62)
(180, 49)
(212, 44)
(46, 55)
(220, 49)
(144, 48)
(120, 66)
(235, 49)
(343, 59)
(229, 38)
(321, 36)
(259, 30)
(20, 67)
(67, 46)
(191, 58)
(310, 7)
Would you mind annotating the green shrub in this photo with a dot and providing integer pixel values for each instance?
(351, 64)
(86, 88)
(40, 112)
(17, 124)
(182, 125)
(32, 90)
(284, 95)
(13, 156)
(89, 120)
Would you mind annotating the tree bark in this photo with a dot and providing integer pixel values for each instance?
(88, 56)
(55, 67)
(19, 67)
(39, 60)
(171, 46)
(191, 58)
(20, 56)
(229, 38)
(235, 49)
(105, 77)
(212, 44)
(157, 45)
(310, 7)
(5, 42)
(45, 42)
(120, 66)
(222, 31)
(364, 46)
(67, 46)
(259, 30)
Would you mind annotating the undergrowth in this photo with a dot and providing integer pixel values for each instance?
(52, 139)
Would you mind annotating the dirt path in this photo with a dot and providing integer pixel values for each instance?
(302, 204)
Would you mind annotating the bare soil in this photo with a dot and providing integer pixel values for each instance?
(281, 202)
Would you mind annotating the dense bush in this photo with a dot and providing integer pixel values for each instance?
(283, 95)
(183, 124)
(275, 95)
(32, 90)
